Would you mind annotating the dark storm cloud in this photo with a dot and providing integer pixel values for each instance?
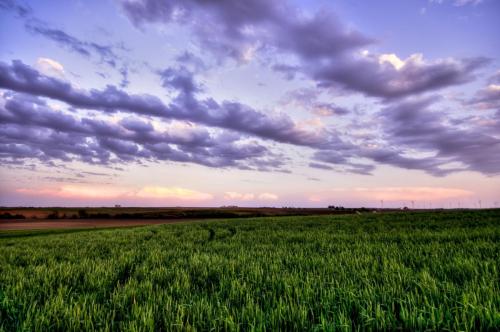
(242, 118)
(332, 157)
(346, 160)
(489, 96)
(229, 115)
(373, 78)
(413, 124)
(406, 125)
(394, 157)
(32, 110)
(137, 125)
(30, 129)
(413, 136)
(320, 36)
(126, 150)
(324, 49)
(179, 79)
(229, 28)
(342, 157)
(29, 142)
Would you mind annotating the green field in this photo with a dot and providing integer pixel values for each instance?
(433, 270)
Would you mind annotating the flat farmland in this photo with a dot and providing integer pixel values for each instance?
(35, 224)
(135, 213)
(406, 270)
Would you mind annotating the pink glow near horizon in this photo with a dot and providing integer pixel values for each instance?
(419, 197)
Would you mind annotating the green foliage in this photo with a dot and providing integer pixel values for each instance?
(410, 271)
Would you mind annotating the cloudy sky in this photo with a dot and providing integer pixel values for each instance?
(250, 103)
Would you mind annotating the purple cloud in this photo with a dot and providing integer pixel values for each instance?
(30, 129)
(323, 48)
(489, 96)
(231, 28)
(228, 115)
(403, 129)
(413, 124)
(374, 77)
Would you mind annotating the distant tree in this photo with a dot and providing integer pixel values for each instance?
(53, 215)
(82, 214)
(7, 215)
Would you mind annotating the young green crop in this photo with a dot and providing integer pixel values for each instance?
(412, 271)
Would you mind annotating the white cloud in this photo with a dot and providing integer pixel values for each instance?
(50, 67)
(268, 197)
(493, 87)
(172, 193)
(232, 195)
(397, 63)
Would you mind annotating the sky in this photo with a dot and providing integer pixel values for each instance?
(250, 103)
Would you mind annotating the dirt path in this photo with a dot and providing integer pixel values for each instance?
(76, 223)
